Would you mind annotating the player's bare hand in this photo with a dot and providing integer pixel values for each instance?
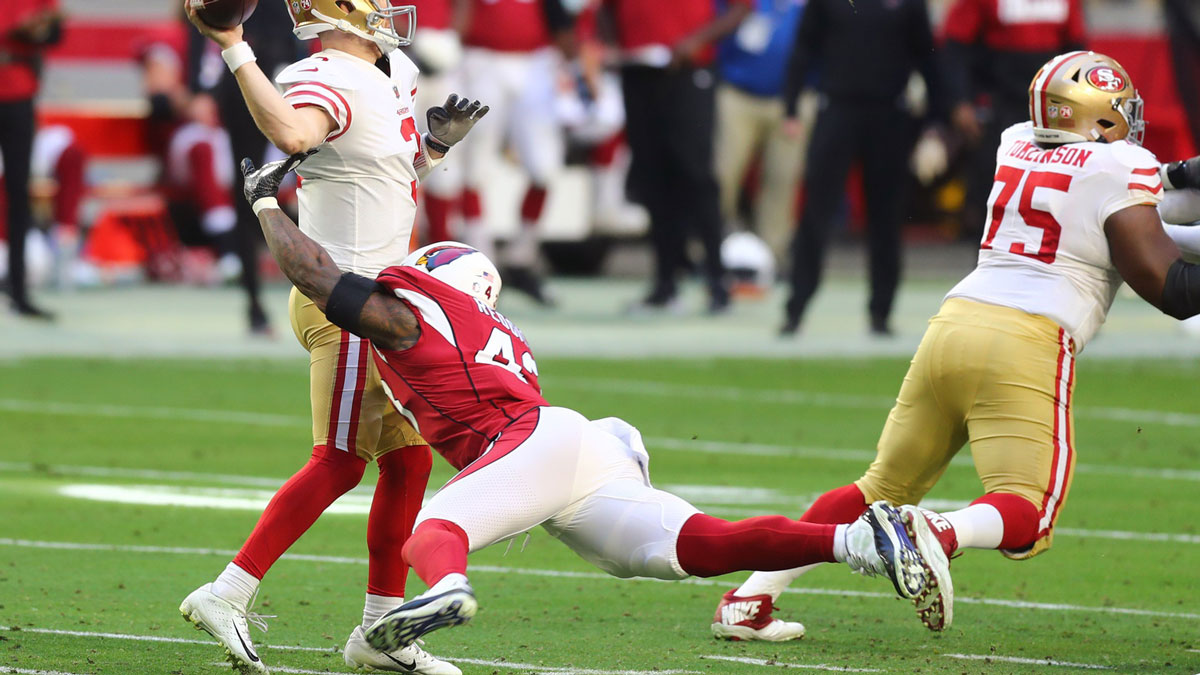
(263, 182)
(450, 122)
(225, 38)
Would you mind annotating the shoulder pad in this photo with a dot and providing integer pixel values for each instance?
(331, 72)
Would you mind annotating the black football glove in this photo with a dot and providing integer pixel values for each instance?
(450, 122)
(264, 182)
(1185, 174)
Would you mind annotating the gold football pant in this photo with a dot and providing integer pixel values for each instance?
(1000, 379)
(350, 410)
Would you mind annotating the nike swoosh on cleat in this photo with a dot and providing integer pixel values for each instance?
(410, 667)
(248, 649)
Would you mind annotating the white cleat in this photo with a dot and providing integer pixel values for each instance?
(411, 659)
(935, 605)
(444, 605)
(749, 618)
(878, 543)
(228, 624)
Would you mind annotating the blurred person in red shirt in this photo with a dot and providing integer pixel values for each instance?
(669, 89)
(992, 50)
(511, 62)
(26, 29)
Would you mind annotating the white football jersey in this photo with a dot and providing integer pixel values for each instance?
(1044, 250)
(358, 196)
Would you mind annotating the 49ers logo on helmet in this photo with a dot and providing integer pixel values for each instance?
(1106, 79)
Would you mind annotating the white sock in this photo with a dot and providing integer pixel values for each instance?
(452, 580)
(839, 542)
(977, 526)
(235, 585)
(378, 605)
(774, 583)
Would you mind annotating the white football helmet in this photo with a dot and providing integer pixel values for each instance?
(459, 266)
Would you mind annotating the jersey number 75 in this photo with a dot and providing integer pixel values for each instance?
(1012, 179)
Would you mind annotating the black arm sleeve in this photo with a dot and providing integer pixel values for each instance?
(804, 51)
(1181, 292)
(347, 299)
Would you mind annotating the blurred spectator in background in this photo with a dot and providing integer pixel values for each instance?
(195, 154)
(867, 52)
(267, 33)
(437, 51)
(1183, 29)
(26, 29)
(753, 65)
(510, 62)
(198, 173)
(993, 48)
(667, 49)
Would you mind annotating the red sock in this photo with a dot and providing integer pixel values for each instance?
(437, 548)
(531, 206)
(843, 505)
(708, 547)
(472, 207)
(1020, 519)
(437, 212)
(403, 475)
(329, 474)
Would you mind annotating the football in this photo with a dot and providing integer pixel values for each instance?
(224, 13)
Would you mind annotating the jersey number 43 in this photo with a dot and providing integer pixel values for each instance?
(1011, 179)
(499, 351)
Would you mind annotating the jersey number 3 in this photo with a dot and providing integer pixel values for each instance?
(499, 352)
(1012, 178)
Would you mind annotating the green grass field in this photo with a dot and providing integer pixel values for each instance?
(90, 585)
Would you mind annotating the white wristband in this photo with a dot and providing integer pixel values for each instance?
(238, 56)
(264, 203)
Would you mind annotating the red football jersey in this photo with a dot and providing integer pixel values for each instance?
(507, 25)
(470, 374)
(1017, 25)
(430, 13)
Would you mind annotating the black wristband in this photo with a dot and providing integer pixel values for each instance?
(434, 144)
(1181, 291)
(346, 301)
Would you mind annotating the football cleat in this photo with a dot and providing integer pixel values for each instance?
(227, 623)
(935, 605)
(425, 613)
(411, 659)
(749, 618)
(878, 543)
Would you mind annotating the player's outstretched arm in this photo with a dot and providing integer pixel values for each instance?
(1151, 263)
(350, 301)
(290, 129)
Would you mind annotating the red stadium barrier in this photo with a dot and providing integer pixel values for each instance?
(94, 40)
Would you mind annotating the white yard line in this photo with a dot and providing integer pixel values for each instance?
(828, 400)
(27, 671)
(1025, 661)
(656, 443)
(780, 664)
(511, 665)
(717, 500)
(494, 569)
